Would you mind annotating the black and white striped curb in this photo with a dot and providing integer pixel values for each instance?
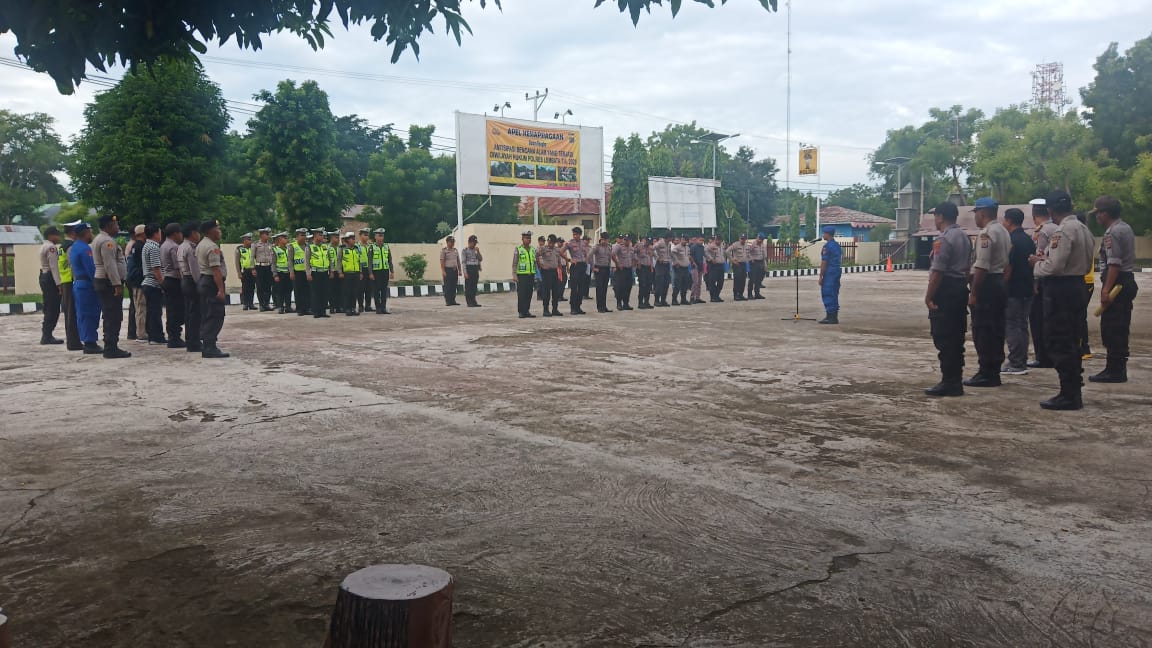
(812, 272)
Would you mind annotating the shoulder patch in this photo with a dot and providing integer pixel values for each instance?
(109, 245)
(936, 245)
(1108, 241)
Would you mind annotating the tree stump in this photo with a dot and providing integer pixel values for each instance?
(393, 606)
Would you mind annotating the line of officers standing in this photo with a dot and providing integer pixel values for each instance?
(328, 272)
(1010, 281)
(654, 264)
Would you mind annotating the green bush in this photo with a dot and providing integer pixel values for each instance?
(414, 266)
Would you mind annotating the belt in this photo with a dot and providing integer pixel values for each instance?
(264, 265)
(78, 278)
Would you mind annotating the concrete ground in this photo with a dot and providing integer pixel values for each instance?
(698, 477)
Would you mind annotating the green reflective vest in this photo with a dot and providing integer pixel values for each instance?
(332, 255)
(297, 256)
(362, 253)
(380, 255)
(245, 258)
(527, 263)
(62, 263)
(282, 259)
(319, 257)
(349, 259)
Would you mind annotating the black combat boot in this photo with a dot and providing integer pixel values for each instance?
(946, 388)
(114, 352)
(91, 348)
(827, 318)
(1067, 399)
(213, 351)
(1116, 371)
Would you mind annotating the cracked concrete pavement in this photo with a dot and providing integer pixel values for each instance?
(694, 477)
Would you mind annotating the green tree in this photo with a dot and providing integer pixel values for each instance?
(64, 36)
(246, 203)
(1140, 218)
(411, 189)
(414, 266)
(637, 222)
(629, 180)
(30, 153)
(151, 146)
(295, 136)
(864, 198)
(881, 232)
(1118, 101)
(941, 151)
(356, 141)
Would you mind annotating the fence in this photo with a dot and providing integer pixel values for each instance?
(781, 254)
(898, 250)
(7, 269)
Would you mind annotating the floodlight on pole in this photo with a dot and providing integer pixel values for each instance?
(714, 139)
(898, 162)
(563, 116)
(500, 109)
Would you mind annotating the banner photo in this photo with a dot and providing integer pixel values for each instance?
(809, 161)
(530, 156)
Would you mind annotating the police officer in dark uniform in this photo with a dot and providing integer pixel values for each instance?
(317, 267)
(1117, 265)
(988, 299)
(297, 272)
(524, 274)
(947, 299)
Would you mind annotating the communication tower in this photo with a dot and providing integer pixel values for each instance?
(1048, 88)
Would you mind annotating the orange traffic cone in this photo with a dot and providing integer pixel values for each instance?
(888, 268)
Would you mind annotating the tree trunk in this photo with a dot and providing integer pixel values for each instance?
(393, 606)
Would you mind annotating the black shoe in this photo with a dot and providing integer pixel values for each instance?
(76, 348)
(351, 314)
(945, 389)
(758, 297)
(194, 348)
(645, 307)
(980, 380)
(716, 300)
(176, 343)
(547, 313)
(626, 307)
(1063, 402)
(556, 313)
(603, 310)
(1109, 375)
(213, 351)
(1036, 364)
(113, 353)
(91, 348)
(160, 341)
(662, 304)
(302, 313)
(264, 309)
(675, 302)
(322, 315)
(383, 312)
(576, 312)
(131, 337)
(51, 340)
(527, 316)
(739, 299)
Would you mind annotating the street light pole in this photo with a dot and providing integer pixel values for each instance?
(537, 101)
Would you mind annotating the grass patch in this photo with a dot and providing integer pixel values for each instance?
(20, 299)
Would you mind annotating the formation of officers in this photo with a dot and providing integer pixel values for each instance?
(1010, 282)
(653, 265)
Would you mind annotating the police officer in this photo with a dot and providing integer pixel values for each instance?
(297, 272)
(349, 264)
(1117, 265)
(335, 287)
(189, 288)
(602, 265)
(988, 299)
(714, 260)
(110, 272)
(82, 261)
(737, 258)
(830, 259)
(50, 285)
(451, 269)
(644, 273)
(524, 274)
(67, 296)
(380, 260)
(1063, 266)
(282, 277)
(577, 250)
(548, 262)
(947, 299)
(625, 260)
(756, 258)
(663, 268)
(213, 273)
(263, 258)
(367, 276)
(245, 266)
(1044, 229)
(316, 269)
(472, 259)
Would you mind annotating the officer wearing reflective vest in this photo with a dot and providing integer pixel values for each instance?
(380, 261)
(281, 274)
(297, 265)
(318, 263)
(364, 297)
(67, 299)
(524, 274)
(247, 271)
(335, 274)
(350, 275)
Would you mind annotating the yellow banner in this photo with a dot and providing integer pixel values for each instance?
(809, 161)
(528, 156)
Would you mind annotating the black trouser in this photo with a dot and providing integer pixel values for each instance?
(192, 315)
(644, 276)
(174, 304)
(524, 293)
(303, 292)
(319, 292)
(683, 283)
(247, 287)
(755, 278)
(51, 293)
(111, 310)
(716, 279)
(335, 291)
(622, 286)
(949, 324)
(578, 286)
(1036, 322)
(352, 291)
(739, 278)
(364, 299)
(154, 300)
(264, 284)
(1116, 321)
(562, 280)
(131, 310)
(988, 324)
(1063, 308)
(602, 275)
(663, 279)
(471, 281)
(283, 290)
(211, 311)
(451, 281)
(71, 328)
(380, 287)
(1082, 324)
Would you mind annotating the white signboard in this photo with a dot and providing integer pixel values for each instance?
(682, 203)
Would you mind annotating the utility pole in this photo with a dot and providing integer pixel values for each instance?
(537, 101)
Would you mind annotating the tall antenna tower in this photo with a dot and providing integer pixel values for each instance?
(1048, 88)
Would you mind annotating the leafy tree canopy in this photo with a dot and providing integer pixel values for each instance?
(30, 153)
(64, 36)
(1118, 101)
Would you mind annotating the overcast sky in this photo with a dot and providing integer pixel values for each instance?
(859, 68)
